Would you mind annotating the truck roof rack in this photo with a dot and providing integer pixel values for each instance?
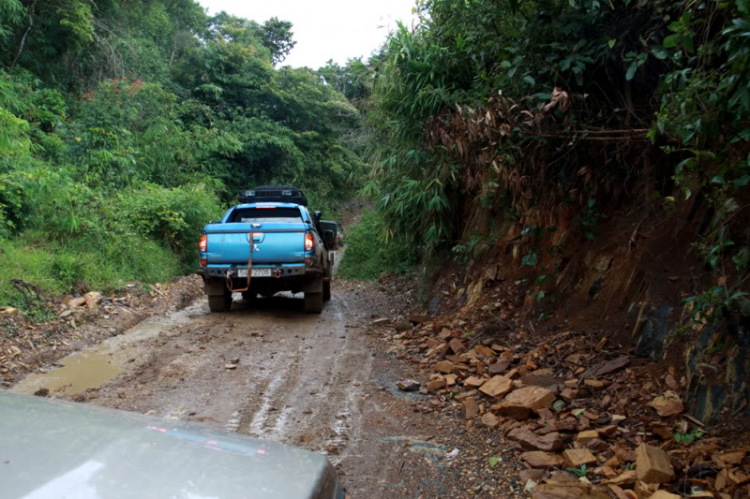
(274, 194)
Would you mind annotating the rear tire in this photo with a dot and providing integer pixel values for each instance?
(313, 303)
(220, 303)
(327, 290)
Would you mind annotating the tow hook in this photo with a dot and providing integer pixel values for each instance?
(277, 273)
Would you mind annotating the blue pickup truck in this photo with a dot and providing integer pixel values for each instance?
(268, 244)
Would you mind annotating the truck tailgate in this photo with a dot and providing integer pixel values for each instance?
(277, 243)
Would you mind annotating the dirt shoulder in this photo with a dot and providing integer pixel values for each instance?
(26, 346)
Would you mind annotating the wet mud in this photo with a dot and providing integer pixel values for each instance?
(268, 370)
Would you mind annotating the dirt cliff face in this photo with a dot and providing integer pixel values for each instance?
(625, 278)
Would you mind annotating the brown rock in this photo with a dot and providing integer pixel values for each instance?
(490, 420)
(92, 298)
(622, 494)
(625, 455)
(541, 459)
(597, 445)
(464, 395)
(498, 386)
(626, 478)
(593, 416)
(520, 403)
(457, 346)
(483, 350)
(531, 441)
(605, 471)
(602, 343)
(667, 405)
(663, 494)
(544, 380)
(607, 367)
(653, 464)
(567, 490)
(612, 462)
(586, 436)
(436, 384)
(470, 408)
(569, 394)
(605, 402)
(408, 385)
(445, 334)
(567, 424)
(474, 382)
(731, 458)
(608, 430)
(593, 383)
(722, 480)
(76, 302)
(536, 475)
(444, 366)
(438, 352)
(575, 458)
(450, 379)
(500, 366)
(403, 326)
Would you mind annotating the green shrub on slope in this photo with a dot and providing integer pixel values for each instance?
(368, 254)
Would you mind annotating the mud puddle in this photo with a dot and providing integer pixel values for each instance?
(90, 369)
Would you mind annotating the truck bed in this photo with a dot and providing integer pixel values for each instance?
(273, 243)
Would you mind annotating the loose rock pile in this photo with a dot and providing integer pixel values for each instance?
(586, 422)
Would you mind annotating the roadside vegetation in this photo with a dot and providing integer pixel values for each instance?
(528, 108)
(125, 127)
(369, 253)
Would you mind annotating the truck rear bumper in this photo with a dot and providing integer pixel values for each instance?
(277, 271)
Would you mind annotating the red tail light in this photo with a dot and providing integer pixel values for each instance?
(203, 244)
(204, 262)
(309, 242)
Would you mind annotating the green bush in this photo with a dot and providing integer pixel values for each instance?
(368, 254)
(175, 217)
(55, 267)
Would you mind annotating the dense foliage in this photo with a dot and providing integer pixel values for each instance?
(532, 106)
(126, 126)
(367, 258)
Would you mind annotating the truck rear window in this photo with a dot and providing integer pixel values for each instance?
(260, 215)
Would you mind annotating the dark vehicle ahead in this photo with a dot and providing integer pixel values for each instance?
(268, 244)
(52, 449)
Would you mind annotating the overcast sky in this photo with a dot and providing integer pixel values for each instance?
(325, 29)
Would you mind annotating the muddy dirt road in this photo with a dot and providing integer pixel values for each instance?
(269, 370)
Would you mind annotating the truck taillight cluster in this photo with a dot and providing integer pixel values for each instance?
(203, 244)
(309, 242)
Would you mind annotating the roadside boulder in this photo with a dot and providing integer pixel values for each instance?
(653, 465)
(531, 441)
(575, 458)
(469, 408)
(490, 420)
(520, 403)
(541, 459)
(497, 386)
(92, 298)
(668, 404)
(444, 366)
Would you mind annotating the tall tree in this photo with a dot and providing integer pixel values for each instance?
(277, 36)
